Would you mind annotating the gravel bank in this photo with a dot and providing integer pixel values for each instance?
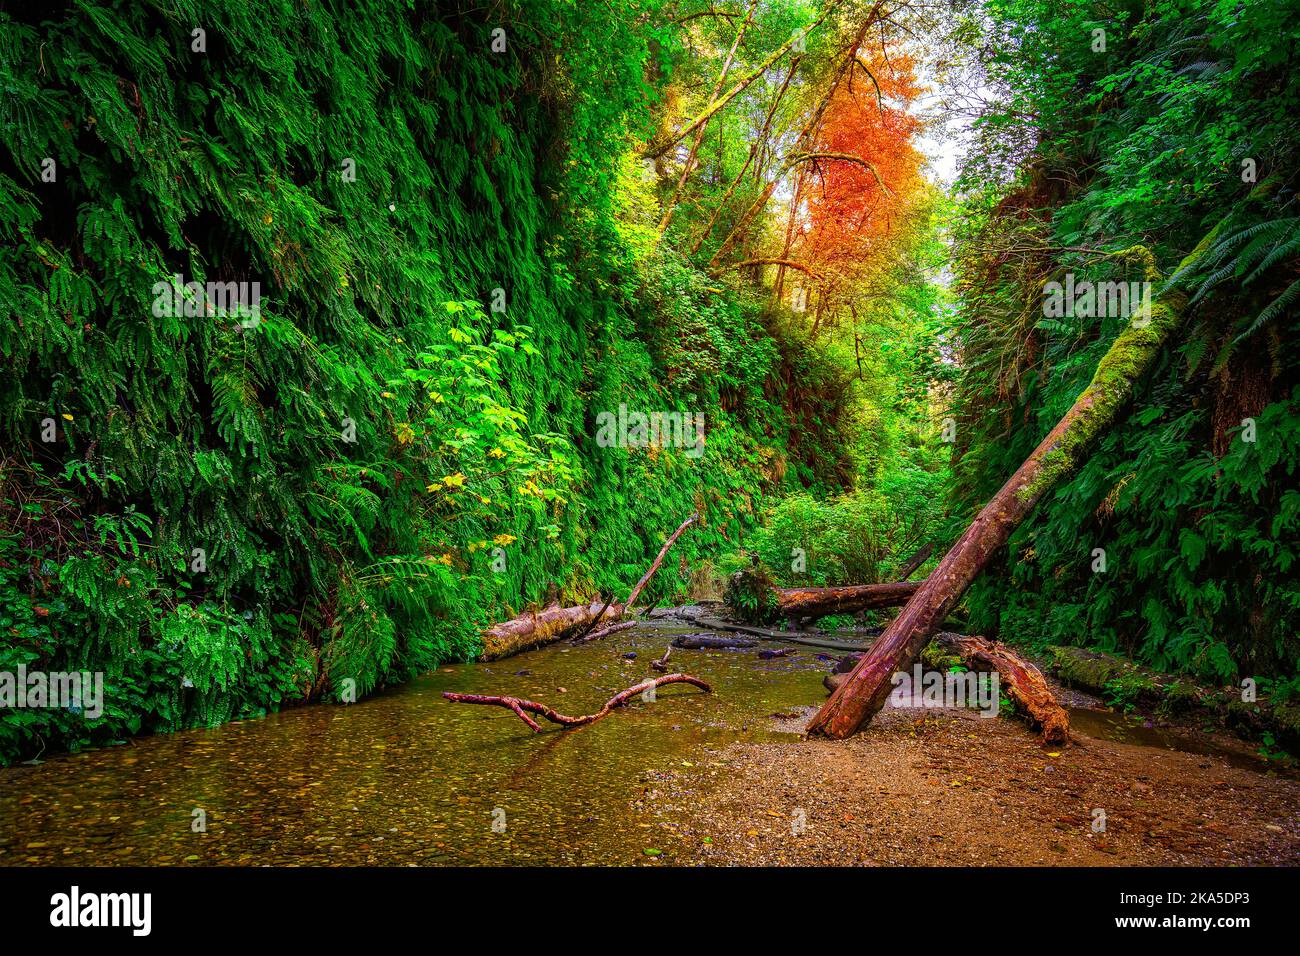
(951, 788)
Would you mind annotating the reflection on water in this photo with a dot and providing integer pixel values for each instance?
(1110, 725)
(406, 777)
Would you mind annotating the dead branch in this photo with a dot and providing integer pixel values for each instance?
(603, 632)
(523, 708)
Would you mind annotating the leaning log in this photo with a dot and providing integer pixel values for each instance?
(534, 629)
(523, 707)
(1096, 410)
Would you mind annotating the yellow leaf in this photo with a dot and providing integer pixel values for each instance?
(67, 417)
(454, 481)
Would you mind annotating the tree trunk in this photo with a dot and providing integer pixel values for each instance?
(811, 603)
(662, 146)
(671, 206)
(721, 203)
(1024, 682)
(740, 229)
(1133, 352)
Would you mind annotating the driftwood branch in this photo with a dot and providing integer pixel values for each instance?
(605, 631)
(523, 708)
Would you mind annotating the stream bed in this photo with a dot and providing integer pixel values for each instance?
(407, 778)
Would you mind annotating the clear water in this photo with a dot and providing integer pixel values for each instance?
(406, 777)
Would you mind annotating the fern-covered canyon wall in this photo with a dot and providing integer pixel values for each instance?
(333, 332)
(394, 440)
(1164, 131)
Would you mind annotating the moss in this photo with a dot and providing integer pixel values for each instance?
(1286, 726)
(1090, 670)
(1098, 406)
(1181, 697)
(1127, 685)
(935, 658)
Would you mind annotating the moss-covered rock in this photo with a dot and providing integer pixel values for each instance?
(749, 595)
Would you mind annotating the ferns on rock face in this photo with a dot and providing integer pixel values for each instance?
(1247, 255)
(381, 464)
(1186, 497)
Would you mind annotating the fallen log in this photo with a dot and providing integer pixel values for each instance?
(1024, 683)
(812, 603)
(534, 629)
(753, 598)
(807, 640)
(1133, 352)
(707, 642)
(523, 707)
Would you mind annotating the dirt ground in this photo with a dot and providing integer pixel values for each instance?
(951, 788)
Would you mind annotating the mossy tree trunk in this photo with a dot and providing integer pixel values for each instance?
(1133, 352)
